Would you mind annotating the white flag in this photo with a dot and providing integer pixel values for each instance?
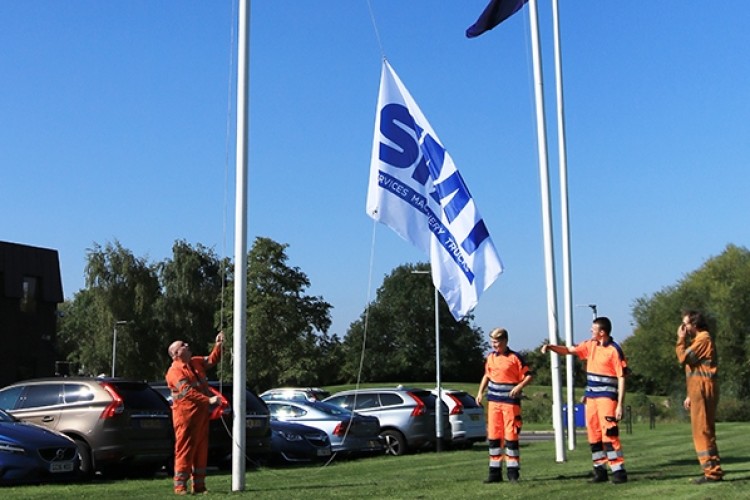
(416, 190)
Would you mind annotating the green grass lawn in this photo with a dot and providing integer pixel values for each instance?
(660, 463)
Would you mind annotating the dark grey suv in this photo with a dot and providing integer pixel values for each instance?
(407, 415)
(118, 425)
(257, 424)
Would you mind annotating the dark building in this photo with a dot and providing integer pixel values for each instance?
(30, 289)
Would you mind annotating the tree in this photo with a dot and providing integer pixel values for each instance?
(191, 308)
(119, 288)
(287, 341)
(398, 334)
(720, 289)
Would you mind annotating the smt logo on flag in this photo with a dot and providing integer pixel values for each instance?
(416, 190)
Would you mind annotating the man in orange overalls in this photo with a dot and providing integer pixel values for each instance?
(606, 368)
(702, 398)
(505, 374)
(191, 398)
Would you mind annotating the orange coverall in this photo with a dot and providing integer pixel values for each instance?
(504, 371)
(605, 364)
(703, 390)
(190, 414)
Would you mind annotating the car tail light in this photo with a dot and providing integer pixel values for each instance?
(420, 409)
(340, 429)
(221, 408)
(116, 407)
(459, 408)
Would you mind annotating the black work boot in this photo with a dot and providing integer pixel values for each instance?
(619, 476)
(600, 475)
(514, 474)
(496, 475)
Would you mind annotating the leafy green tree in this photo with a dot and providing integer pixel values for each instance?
(720, 289)
(191, 308)
(287, 341)
(119, 288)
(398, 334)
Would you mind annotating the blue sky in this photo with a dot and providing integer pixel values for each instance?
(117, 123)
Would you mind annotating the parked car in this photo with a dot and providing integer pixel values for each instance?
(407, 416)
(257, 423)
(295, 394)
(30, 453)
(118, 425)
(292, 442)
(347, 431)
(468, 423)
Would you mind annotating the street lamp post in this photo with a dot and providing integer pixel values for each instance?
(592, 306)
(593, 310)
(114, 344)
(439, 400)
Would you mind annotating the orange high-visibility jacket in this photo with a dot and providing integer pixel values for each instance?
(189, 385)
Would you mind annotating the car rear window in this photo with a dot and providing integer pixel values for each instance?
(330, 409)
(390, 399)
(75, 393)
(427, 397)
(466, 399)
(138, 395)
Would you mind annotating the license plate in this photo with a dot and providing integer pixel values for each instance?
(61, 467)
(151, 424)
(324, 452)
(475, 417)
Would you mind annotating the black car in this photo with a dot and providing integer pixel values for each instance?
(257, 424)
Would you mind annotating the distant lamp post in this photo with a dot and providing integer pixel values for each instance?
(438, 402)
(592, 306)
(114, 344)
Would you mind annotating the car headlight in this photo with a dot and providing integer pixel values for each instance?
(11, 448)
(290, 436)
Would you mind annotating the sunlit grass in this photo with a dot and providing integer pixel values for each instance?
(660, 463)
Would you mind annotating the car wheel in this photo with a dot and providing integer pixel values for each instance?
(84, 454)
(395, 443)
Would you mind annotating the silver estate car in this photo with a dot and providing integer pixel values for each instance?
(468, 423)
(348, 432)
(407, 415)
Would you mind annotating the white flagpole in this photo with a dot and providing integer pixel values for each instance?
(567, 273)
(547, 226)
(240, 252)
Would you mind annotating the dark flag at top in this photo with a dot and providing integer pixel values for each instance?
(496, 12)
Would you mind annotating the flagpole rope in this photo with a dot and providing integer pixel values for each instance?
(367, 304)
(375, 27)
(228, 130)
(369, 276)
